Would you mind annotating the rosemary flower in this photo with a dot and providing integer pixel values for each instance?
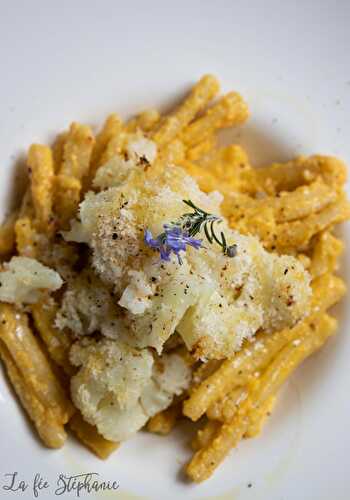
(180, 234)
(173, 239)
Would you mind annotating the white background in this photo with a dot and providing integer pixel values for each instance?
(79, 60)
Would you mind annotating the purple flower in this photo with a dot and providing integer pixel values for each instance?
(173, 239)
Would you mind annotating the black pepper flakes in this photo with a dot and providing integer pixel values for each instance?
(143, 160)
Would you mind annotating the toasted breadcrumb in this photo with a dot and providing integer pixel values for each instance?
(212, 301)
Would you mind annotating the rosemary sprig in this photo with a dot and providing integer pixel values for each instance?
(194, 222)
(178, 235)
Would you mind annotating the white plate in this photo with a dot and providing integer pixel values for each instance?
(79, 60)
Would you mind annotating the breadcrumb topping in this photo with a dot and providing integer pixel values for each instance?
(212, 301)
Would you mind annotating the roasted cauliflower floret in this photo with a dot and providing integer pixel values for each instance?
(118, 168)
(87, 307)
(118, 388)
(24, 280)
(213, 301)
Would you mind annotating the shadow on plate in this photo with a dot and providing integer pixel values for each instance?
(262, 147)
(17, 183)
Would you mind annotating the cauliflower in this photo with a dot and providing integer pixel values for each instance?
(135, 296)
(214, 302)
(139, 151)
(87, 307)
(141, 148)
(24, 280)
(113, 173)
(255, 290)
(118, 388)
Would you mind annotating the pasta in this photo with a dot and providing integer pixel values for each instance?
(108, 143)
(77, 151)
(229, 111)
(210, 455)
(67, 197)
(89, 436)
(7, 235)
(32, 363)
(200, 96)
(291, 210)
(25, 237)
(50, 430)
(111, 129)
(145, 121)
(237, 371)
(58, 343)
(205, 435)
(325, 254)
(41, 170)
(164, 421)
